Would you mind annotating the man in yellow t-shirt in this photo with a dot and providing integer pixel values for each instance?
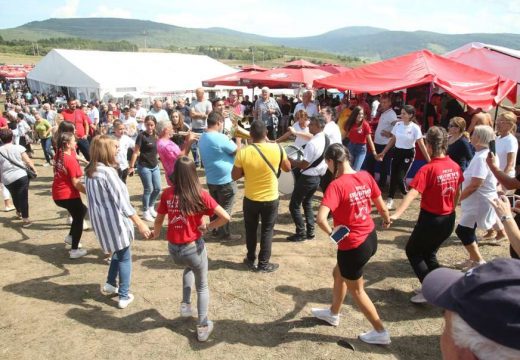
(261, 192)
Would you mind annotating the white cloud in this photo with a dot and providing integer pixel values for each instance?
(116, 12)
(68, 10)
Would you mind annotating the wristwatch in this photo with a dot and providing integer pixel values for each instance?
(505, 217)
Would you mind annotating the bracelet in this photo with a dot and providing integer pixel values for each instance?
(504, 218)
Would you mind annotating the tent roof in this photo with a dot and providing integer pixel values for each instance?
(300, 64)
(145, 71)
(472, 86)
(494, 59)
(234, 78)
(286, 77)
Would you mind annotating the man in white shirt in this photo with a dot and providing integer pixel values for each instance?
(199, 111)
(307, 104)
(382, 136)
(140, 113)
(331, 129)
(48, 114)
(93, 114)
(157, 111)
(312, 167)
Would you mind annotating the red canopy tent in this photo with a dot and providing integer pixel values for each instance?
(494, 59)
(293, 75)
(472, 86)
(233, 79)
(333, 68)
(14, 72)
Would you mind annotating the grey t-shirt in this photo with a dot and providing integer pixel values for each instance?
(201, 107)
(9, 173)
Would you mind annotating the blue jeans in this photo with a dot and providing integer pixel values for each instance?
(47, 149)
(151, 179)
(83, 147)
(195, 147)
(121, 264)
(194, 257)
(224, 195)
(357, 154)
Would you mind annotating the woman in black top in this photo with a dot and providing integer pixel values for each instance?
(145, 152)
(459, 148)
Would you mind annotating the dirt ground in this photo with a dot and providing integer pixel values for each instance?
(52, 308)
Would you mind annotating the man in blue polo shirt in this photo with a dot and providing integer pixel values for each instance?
(218, 155)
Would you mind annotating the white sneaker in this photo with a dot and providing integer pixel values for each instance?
(375, 337)
(147, 216)
(46, 165)
(186, 310)
(152, 212)
(86, 225)
(123, 303)
(69, 220)
(325, 315)
(75, 254)
(68, 242)
(203, 332)
(109, 289)
(469, 264)
(390, 203)
(418, 299)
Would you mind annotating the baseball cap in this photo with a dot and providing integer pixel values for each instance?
(487, 298)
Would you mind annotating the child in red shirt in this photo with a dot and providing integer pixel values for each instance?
(66, 188)
(439, 183)
(186, 203)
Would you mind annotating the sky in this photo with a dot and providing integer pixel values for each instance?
(285, 18)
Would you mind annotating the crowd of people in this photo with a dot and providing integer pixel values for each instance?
(348, 148)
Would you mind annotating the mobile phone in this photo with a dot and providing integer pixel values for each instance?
(492, 147)
(339, 233)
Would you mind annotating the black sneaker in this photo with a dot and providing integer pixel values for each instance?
(269, 268)
(310, 236)
(250, 264)
(296, 238)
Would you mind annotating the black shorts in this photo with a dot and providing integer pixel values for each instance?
(351, 262)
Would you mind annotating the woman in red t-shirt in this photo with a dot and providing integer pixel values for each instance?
(66, 188)
(359, 135)
(186, 203)
(349, 199)
(439, 184)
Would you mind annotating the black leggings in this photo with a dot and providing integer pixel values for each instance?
(351, 262)
(19, 190)
(401, 163)
(429, 233)
(78, 211)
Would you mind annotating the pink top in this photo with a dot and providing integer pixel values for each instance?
(168, 153)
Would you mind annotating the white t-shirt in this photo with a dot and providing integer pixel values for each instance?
(9, 173)
(160, 115)
(125, 143)
(476, 207)
(331, 129)
(385, 123)
(505, 145)
(140, 114)
(406, 135)
(311, 109)
(373, 110)
(313, 150)
(300, 141)
(93, 114)
(130, 126)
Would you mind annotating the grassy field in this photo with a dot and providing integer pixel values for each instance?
(6, 58)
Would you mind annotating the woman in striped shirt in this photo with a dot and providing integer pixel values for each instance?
(112, 215)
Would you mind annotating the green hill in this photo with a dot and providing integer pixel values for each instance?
(366, 42)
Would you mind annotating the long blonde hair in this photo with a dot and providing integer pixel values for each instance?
(102, 150)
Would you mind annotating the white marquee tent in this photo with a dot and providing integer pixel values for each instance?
(99, 74)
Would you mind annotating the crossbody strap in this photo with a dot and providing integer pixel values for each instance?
(12, 162)
(277, 174)
(320, 159)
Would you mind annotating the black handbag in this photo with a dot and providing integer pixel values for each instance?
(30, 173)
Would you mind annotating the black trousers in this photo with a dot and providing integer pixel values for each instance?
(19, 190)
(401, 163)
(266, 211)
(78, 211)
(304, 190)
(429, 233)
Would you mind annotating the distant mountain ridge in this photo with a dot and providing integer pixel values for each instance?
(367, 42)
